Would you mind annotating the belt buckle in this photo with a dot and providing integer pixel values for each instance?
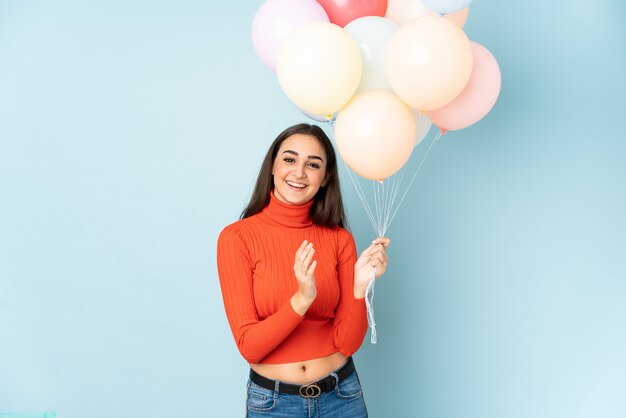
(310, 391)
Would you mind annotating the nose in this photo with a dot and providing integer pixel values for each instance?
(299, 171)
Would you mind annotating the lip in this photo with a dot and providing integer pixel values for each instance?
(294, 187)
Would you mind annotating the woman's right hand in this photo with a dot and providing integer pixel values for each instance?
(304, 269)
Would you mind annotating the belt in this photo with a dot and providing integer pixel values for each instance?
(312, 390)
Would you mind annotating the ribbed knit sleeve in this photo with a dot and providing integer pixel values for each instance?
(350, 323)
(255, 339)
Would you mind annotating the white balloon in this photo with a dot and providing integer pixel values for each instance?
(403, 11)
(372, 34)
(319, 67)
(429, 61)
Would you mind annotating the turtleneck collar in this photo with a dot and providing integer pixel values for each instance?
(290, 216)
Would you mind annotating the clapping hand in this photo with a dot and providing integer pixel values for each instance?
(304, 270)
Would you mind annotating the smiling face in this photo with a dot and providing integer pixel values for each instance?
(299, 169)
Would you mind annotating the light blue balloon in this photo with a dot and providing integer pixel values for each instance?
(321, 118)
(446, 6)
(372, 34)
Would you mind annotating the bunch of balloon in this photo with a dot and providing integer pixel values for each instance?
(381, 73)
(349, 59)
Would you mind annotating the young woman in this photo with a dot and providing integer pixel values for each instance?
(292, 286)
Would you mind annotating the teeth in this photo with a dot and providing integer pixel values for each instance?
(298, 185)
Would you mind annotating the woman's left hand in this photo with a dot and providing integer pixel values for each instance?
(375, 256)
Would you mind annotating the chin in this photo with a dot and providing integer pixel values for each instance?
(291, 198)
(300, 200)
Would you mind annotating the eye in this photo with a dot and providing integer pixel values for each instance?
(288, 160)
(315, 165)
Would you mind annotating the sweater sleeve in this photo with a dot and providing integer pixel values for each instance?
(350, 323)
(255, 338)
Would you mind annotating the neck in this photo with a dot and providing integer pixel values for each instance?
(285, 215)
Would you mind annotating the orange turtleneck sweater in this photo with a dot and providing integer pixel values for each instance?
(255, 264)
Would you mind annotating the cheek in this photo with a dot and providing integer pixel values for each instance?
(319, 178)
(276, 170)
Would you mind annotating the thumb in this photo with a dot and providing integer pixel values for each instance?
(364, 259)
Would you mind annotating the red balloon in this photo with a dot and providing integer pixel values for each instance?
(342, 12)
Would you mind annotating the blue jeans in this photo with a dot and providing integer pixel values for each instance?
(345, 401)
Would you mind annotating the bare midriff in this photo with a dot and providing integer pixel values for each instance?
(301, 372)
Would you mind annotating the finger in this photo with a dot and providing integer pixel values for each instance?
(377, 248)
(379, 252)
(376, 261)
(366, 252)
(380, 258)
(311, 268)
(302, 247)
(305, 252)
(382, 240)
(297, 262)
(371, 249)
(363, 260)
(379, 271)
(307, 259)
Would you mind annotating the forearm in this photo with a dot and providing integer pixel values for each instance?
(301, 303)
(350, 325)
(258, 339)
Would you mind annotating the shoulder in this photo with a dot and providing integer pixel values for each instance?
(346, 247)
(237, 231)
(343, 234)
(343, 237)
(234, 241)
(338, 231)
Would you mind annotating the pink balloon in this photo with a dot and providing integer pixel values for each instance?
(275, 19)
(478, 96)
(342, 12)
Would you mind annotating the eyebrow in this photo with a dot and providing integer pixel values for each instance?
(315, 157)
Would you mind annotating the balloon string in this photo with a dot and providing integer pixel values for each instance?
(380, 192)
(382, 215)
(384, 191)
(362, 199)
(390, 192)
(357, 186)
(376, 203)
(394, 193)
(415, 174)
(369, 304)
(376, 186)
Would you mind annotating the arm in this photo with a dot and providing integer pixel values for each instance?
(350, 323)
(254, 338)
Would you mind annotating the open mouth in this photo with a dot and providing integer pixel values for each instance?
(295, 185)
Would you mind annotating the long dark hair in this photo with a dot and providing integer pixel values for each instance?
(327, 209)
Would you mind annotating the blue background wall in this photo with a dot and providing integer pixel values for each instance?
(131, 133)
